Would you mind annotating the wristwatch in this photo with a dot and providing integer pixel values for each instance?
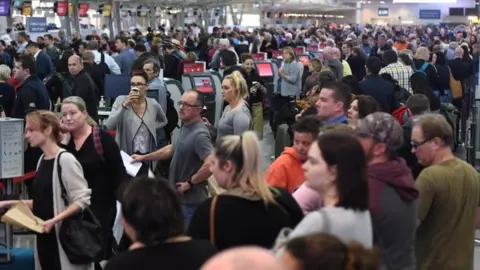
(189, 181)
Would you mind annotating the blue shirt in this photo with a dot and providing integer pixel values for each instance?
(125, 61)
(7, 58)
(339, 120)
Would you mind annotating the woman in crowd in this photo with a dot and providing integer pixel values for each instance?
(257, 91)
(362, 106)
(249, 212)
(291, 79)
(307, 105)
(236, 116)
(153, 220)
(314, 67)
(444, 75)
(229, 60)
(136, 118)
(99, 155)
(7, 92)
(324, 251)
(336, 169)
(43, 130)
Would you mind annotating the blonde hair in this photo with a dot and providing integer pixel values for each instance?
(5, 73)
(245, 152)
(239, 84)
(290, 51)
(82, 107)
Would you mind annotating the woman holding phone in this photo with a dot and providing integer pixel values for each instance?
(136, 118)
(257, 92)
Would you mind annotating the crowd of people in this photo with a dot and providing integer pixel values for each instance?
(369, 181)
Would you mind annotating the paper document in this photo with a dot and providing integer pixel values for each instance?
(21, 215)
(132, 168)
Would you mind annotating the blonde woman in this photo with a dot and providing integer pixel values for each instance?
(236, 116)
(42, 130)
(291, 78)
(7, 92)
(249, 212)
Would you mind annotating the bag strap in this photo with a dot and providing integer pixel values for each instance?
(424, 67)
(97, 142)
(212, 219)
(62, 186)
(102, 57)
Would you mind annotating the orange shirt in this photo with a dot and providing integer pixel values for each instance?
(286, 171)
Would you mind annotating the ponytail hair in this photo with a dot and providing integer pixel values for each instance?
(244, 151)
(325, 251)
(239, 84)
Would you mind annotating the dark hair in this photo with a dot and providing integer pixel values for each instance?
(325, 251)
(418, 104)
(389, 57)
(367, 105)
(406, 59)
(441, 59)
(152, 209)
(229, 58)
(140, 48)
(374, 65)
(122, 40)
(200, 97)
(341, 92)
(141, 74)
(345, 152)
(28, 62)
(352, 81)
(421, 85)
(308, 124)
(246, 56)
(48, 36)
(349, 44)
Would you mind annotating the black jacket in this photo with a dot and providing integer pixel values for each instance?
(138, 63)
(381, 90)
(431, 72)
(98, 77)
(83, 86)
(460, 69)
(357, 65)
(44, 65)
(174, 66)
(374, 50)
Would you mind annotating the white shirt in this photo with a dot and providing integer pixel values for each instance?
(112, 65)
(36, 54)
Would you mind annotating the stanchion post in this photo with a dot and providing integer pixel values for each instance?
(7, 256)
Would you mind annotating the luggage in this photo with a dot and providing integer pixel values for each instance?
(22, 259)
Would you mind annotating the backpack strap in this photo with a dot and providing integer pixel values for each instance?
(102, 57)
(97, 142)
(424, 67)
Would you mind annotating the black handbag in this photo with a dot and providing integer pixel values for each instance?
(81, 234)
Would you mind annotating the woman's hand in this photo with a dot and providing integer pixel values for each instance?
(132, 97)
(7, 204)
(48, 225)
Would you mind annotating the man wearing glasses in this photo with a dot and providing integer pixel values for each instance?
(189, 167)
(449, 198)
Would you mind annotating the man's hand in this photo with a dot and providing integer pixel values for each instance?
(182, 187)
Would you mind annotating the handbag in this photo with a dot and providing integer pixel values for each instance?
(455, 86)
(81, 234)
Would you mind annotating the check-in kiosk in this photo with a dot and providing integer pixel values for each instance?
(266, 70)
(204, 83)
(304, 59)
(318, 55)
(115, 85)
(277, 54)
(176, 91)
(313, 48)
(259, 56)
(299, 50)
(197, 67)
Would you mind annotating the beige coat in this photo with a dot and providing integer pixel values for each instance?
(77, 192)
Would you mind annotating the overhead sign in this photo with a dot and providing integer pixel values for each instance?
(83, 9)
(383, 12)
(37, 24)
(4, 7)
(62, 8)
(107, 10)
(430, 14)
(27, 8)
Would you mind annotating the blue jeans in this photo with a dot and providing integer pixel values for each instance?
(188, 210)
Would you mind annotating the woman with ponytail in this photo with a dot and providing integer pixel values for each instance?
(327, 252)
(249, 212)
(236, 116)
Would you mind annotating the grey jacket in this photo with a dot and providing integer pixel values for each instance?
(291, 83)
(77, 192)
(126, 122)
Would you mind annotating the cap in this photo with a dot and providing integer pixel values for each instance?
(383, 128)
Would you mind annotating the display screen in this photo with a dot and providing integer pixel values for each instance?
(265, 69)
(193, 67)
(304, 60)
(4, 7)
(318, 55)
(203, 84)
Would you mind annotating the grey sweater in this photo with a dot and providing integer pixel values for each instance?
(291, 83)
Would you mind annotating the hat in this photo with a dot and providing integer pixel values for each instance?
(383, 128)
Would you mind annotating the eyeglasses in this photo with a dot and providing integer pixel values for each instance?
(181, 103)
(137, 84)
(417, 145)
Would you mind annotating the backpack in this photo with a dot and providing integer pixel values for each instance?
(422, 69)
(102, 65)
(67, 87)
(172, 117)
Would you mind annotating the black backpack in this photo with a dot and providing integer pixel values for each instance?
(172, 117)
(102, 65)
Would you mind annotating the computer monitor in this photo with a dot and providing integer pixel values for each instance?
(193, 67)
(116, 85)
(318, 55)
(203, 84)
(265, 69)
(304, 60)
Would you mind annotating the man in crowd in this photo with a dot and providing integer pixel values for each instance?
(125, 58)
(102, 58)
(333, 103)
(22, 42)
(95, 73)
(51, 49)
(42, 60)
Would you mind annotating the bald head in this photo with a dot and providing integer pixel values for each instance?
(328, 53)
(250, 258)
(336, 53)
(75, 65)
(458, 52)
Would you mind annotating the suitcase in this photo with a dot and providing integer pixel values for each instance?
(22, 259)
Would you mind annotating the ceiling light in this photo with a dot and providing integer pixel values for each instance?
(382, 2)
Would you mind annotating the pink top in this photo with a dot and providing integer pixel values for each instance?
(308, 199)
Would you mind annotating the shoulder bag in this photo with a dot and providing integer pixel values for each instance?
(80, 234)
